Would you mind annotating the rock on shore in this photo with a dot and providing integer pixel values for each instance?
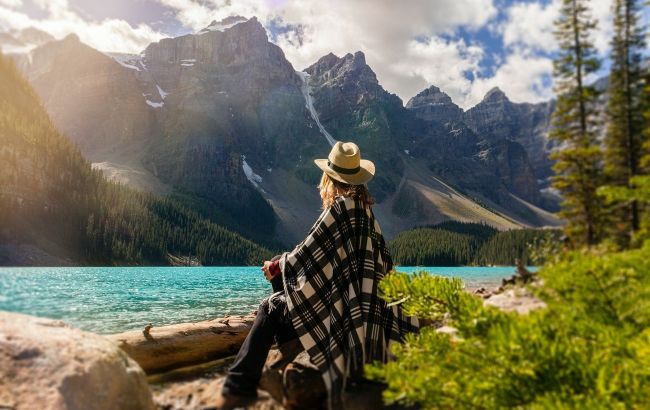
(46, 364)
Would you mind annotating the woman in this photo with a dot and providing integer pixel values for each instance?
(326, 289)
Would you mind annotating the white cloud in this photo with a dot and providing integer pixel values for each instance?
(601, 11)
(11, 3)
(105, 35)
(521, 77)
(387, 31)
(531, 25)
(438, 62)
(528, 34)
(410, 45)
(384, 30)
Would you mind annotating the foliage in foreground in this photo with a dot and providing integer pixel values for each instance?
(590, 348)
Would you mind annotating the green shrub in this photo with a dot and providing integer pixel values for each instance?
(590, 348)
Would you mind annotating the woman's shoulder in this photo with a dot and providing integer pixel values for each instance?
(342, 203)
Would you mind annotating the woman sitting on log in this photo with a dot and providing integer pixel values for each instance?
(326, 289)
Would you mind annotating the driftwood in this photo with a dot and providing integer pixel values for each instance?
(160, 349)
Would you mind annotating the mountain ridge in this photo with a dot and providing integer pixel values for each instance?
(55, 209)
(221, 108)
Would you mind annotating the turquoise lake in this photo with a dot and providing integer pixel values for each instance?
(116, 299)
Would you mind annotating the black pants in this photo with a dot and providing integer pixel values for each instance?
(246, 371)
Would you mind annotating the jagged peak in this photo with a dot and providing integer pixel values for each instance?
(430, 90)
(430, 95)
(495, 94)
(349, 62)
(329, 59)
(360, 58)
(225, 24)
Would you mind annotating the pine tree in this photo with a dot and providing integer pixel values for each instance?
(578, 161)
(624, 140)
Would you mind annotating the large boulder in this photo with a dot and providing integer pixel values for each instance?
(46, 364)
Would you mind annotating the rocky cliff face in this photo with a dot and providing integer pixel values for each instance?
(90, 97)
(434, 105)
(200, 115)
(508, 161)
(353, 106)
(227, 101)
(511, 138)
(430, 129)
(497, 118)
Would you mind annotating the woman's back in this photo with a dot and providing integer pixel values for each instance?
(331, 281)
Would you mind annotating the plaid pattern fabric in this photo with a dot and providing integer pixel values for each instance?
(331, 283)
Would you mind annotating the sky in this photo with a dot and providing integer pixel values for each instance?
(465, 47)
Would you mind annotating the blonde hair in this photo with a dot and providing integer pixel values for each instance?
(330, 189)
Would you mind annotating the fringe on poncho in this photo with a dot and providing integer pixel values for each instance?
(331, 290)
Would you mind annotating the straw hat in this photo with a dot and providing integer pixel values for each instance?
(344, 164)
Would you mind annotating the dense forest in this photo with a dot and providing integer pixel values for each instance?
(587, 348)
(51, 198)
(457, 243)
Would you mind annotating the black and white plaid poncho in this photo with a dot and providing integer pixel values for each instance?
(330, 283)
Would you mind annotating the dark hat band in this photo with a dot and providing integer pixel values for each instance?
(341, 170)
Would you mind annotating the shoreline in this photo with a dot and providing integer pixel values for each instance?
(181, 366)
(110, 300)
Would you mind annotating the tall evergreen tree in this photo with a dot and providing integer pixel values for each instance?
(624, 140)
(578, 161)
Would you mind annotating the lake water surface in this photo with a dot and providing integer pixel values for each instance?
(116, 299)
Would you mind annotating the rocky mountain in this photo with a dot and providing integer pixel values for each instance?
(514, 136)
(352, 104)
(432, 104)
(221, 121)
(92, 99)
(54, 209)
(189, 116)
(497, 118)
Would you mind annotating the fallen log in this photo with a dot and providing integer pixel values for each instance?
(161, 349)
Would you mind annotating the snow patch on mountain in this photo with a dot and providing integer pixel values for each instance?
(309, 103)
(162, 93)
(250, 174)
(126, 60)
(155, 104)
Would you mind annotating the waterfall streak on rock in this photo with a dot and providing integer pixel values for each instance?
(309, 103)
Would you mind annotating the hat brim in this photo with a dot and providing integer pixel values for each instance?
(365, 174)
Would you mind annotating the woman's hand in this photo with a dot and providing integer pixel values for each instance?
(267, 272)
